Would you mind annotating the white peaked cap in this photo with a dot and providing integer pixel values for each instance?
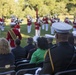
(35, 38)
(74, 33)
(49, 36)
(61, 27)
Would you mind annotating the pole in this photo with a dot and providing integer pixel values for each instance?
(37, 13)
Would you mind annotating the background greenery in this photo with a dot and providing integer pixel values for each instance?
(21, 8)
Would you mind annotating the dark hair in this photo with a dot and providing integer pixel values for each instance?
(50, 40)
(17, 42)
(42, 43)
(30, 40)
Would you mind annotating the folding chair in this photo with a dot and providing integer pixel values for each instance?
(7, 68)
(20, 59)
(21, 62)
(39, 64)
(12, 72)
(25, 66)
(67, 72)
(27, 71)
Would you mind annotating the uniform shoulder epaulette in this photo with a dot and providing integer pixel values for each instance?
(54, 46)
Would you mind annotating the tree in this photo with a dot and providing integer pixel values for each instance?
(25, 7)
(60, 7)
(7, 7)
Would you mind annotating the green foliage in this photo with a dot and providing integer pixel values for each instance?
(73, 10)
(60, 8)
(44, 10)
(36, 3)
(25, 7)
(28, 10)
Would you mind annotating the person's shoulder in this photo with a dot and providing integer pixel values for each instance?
(22, 49)
(37, 51)
(26, 47)
(9, 55)
(32, 45)
(54, 46)
(13, 50)
(34, 49)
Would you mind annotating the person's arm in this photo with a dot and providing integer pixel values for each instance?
(33, 58)
(30, 53)
(29, 56)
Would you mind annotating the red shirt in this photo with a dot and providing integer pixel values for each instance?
(66, 21)
(37, 25)
(74, 24)
(29, 22)
(52, 21)
(17, 26)
(1, 20)
(9, 38)
(45, 20)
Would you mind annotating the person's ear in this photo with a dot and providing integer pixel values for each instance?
(56, 36)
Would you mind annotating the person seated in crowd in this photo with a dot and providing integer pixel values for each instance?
(31, 52)
(38, 55)
(50, 40)
(34, 49)
(6, 57)
(18, 51)
(29, 46)
(59, 57)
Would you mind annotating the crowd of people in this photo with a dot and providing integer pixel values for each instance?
(45, 22)
(55, 57)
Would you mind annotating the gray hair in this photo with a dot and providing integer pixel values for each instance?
(4, 46)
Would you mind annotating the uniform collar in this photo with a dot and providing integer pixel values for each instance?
(63, 43)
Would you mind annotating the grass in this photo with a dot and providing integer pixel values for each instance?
(24, 33)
